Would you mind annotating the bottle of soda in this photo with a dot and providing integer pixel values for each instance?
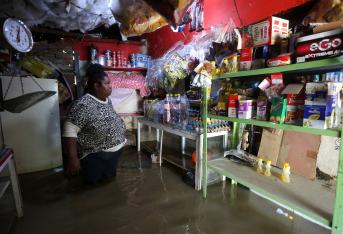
(178, 119)
(167, 110)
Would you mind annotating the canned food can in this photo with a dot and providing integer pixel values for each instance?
(102, 60)
(94, 53)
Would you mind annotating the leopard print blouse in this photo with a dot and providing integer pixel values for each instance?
(100, 126)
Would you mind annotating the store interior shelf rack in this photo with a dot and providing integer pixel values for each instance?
(126, 69)
(305, 197)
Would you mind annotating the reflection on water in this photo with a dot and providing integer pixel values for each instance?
(146, 198)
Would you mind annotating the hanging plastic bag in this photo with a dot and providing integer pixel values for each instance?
(326, 11)
(136, 17)
(175, 69)
(172, 10)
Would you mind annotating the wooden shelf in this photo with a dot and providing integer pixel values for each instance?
(125, 69)
(310, 198)
(324, 64)
(287, 127)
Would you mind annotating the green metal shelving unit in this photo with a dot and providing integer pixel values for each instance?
(322, 206)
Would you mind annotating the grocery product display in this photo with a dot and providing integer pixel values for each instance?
(119, 59)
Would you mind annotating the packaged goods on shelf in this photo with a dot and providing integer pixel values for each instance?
(333, 76)
(175, 68)
(333, 105)
(295, 103)
(247, 109)
(175, 110)
(245, 59)
(316, 91)
(268, 32)
(319, 46)
(277, 79)
(233, 105)
(153, 110)
(262, 109)
(281, 60)
(265, 84)
(314, 114)
(231, 63)
(278, 109)
(140, 60)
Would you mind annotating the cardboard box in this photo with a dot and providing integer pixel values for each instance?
(270, 144)
(278, 110)
(262, 109)
(333, 105)
(268, 32)
(277, 79)
(319, 46)
(245, 59)
(247, 109)
(295, 103)
(316, 91)
(300, 151)
(232, 103)
(314, 115)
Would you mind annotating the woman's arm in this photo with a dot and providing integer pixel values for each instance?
(73, 167)
(70, 139)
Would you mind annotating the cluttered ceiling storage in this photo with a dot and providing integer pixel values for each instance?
(264, 76)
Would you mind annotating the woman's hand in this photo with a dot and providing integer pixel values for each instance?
(73, 166)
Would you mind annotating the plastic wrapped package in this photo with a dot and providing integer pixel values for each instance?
(175, 110)
(37, 67)
(326, 11)
(137, 17)
(172, 10)
(175, 68)
(197, 14)
(153, 110)
(155, 78)
(184, 111)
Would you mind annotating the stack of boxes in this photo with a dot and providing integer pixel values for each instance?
(323, 105)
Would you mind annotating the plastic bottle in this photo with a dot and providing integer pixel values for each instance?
(172, 109)
(268, 167)
(286, 171)
(166, 113)
(177, 110)
(184, 111)
(259, 165)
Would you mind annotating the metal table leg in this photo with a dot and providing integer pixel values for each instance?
(183, 145)
(138, 136)
(15, 189)
(199, 159)
(157, 135)
(225, 139)
(160, 150)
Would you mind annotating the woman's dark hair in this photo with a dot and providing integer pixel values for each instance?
(95, 73)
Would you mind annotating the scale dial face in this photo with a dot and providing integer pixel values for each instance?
(17, 35)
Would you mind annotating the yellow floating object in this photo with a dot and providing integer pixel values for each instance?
(267, 169)
(286, 171)
(259, 165)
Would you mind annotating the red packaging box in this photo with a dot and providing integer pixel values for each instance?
(245, 59)
(277, 79)
(281, 60)
(319, 46)
(268, 32)
(232, 104)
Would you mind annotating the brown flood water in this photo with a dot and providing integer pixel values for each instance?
(145, 198)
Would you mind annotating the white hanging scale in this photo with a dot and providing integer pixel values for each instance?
(17, 35)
